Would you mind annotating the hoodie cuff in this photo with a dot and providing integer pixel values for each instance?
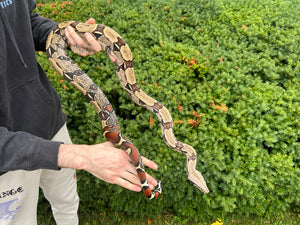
(45, 156)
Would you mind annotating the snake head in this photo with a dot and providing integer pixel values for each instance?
(197, 180)
(194, 176)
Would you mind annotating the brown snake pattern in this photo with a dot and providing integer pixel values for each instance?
(115, 45)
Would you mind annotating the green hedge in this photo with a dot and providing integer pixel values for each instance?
(228, 71)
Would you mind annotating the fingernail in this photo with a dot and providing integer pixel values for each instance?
(112, 58)
(88, 35)
(138, 189)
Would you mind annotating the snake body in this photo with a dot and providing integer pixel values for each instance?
(116, 46)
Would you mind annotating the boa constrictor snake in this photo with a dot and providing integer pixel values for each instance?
(115, 45)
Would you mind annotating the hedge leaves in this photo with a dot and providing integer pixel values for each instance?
(228, 71)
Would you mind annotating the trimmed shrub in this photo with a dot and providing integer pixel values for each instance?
(228, 71)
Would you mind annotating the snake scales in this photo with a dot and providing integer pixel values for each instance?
(115, 45)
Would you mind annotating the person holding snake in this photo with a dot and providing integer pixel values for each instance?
(35, 148)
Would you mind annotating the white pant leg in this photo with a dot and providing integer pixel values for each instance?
(60, 188)
(19, 192)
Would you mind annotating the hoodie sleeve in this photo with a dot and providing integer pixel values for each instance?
(20, 150)
(41, 27)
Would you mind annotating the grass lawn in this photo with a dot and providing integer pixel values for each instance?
(109, 217)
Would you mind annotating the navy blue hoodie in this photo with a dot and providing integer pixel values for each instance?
(30, 110)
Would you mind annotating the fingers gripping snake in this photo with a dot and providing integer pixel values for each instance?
(115, 45)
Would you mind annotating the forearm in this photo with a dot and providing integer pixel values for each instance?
(73, 156)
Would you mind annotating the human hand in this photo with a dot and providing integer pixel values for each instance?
(86, 44)
(106, 163)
